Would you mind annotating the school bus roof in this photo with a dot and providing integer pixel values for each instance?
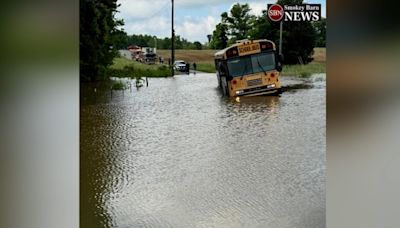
(220, 54)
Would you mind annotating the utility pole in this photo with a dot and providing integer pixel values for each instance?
(172, 41)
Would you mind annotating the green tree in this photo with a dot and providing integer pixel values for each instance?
(97, 31)
(238, 21)
(166, 43)
(262, 28)
(120, 40)
(219, 38)
(152, 41)
(198, 45)
(140, 40)
(320, 29)
(178, 42)
(298, 38)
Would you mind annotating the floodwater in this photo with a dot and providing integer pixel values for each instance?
(178, 154)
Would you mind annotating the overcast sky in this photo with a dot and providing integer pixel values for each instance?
(194, 19)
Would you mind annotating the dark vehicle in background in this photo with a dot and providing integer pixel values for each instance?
(146, 55)
(150, 58)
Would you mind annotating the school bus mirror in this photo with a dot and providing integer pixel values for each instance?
(222, 69)
(279, 68)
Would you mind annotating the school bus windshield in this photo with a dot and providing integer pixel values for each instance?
(251, 64)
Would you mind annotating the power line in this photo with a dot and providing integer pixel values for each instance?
(154, 14)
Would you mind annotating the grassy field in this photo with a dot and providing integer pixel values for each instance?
(120, 63)
(205, 61)
(206, 67)
(198, 56)
(123, 67)
(318, 65)
(319, 55)
(303, 70)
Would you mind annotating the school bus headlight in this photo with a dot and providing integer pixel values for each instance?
(239, 92)
(272, 86)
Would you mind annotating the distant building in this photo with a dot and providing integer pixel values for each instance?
(149, 55)
(149, 50)
(143, 54)
(135, 50)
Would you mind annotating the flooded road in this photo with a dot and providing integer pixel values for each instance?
(177, 154)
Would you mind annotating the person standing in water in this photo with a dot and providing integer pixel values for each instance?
(188, 68)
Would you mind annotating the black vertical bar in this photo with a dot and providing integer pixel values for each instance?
(172, 41)
(280, 37)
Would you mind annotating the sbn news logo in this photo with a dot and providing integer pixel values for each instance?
(298, 12)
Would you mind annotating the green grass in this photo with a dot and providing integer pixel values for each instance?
(303, 70)
(206, 67)
(120, 63)
(118, 85)
(129, 68)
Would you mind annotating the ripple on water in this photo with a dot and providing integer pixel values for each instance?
(177, 154)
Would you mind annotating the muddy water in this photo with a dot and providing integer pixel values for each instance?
(177, 154)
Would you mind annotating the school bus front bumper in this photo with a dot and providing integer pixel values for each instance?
(266, 89)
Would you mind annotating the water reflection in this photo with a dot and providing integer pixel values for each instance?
(177, 154)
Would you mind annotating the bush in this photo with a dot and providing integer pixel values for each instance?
(118, 86)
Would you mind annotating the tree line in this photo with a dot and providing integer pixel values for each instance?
(125, 40)
(98, 31)
(298, 38)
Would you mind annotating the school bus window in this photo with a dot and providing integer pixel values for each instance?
(251, 64)
(263, 62)
(240, 66)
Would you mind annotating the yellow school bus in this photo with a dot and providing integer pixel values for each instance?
(249, 68)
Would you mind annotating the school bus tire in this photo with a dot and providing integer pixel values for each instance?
(224, 89)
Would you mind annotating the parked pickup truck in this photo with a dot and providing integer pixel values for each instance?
(180, 65)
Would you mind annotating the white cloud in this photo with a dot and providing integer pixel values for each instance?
(153, 18)
(159, 26)
(140, 9)
(145, 8)
(258, 7)
(202, 2)
(215, 2)
(196, 29)
(192, 29)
